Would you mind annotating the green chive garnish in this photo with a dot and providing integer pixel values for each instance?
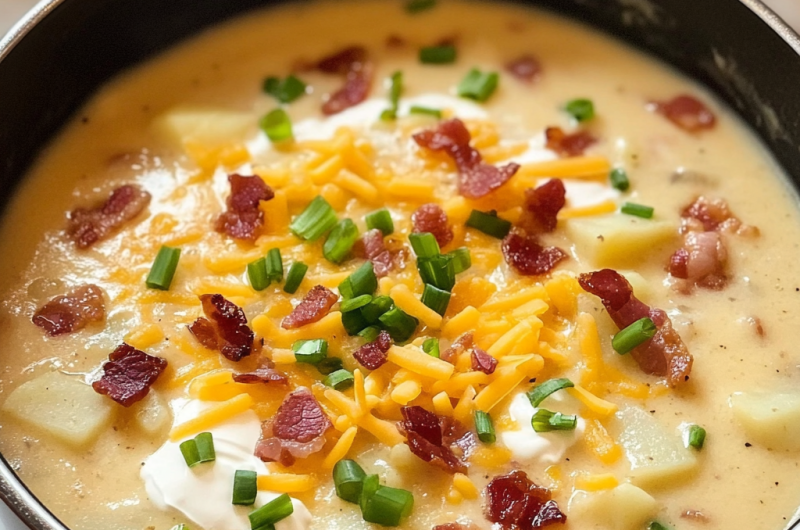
(380, 219)
(546, 421)
(310, 351)
(437, 54)
(181, 526)
(378, 306)
(639, 210)
(581, 109)
(415, 6)
(339, 380)
(369, 485)
(295, 277)
(362, 281)
(438, 271)
(347, 479)
(424, 244)
(284, 91)
(436, 299)
(395, 89)
(431, 347)
(277, 126)
(538, 394)
(314, 221)
(478, 85)
(199, 449)
(328, 365)
(399, 324)
(489, 223)
(274, 265)
(245, 487)
(354, 322)
(655, 525)
(369, 333)
(275, 510)
(697, 436)
(257, 273)
(632, 336)
(351, 304)
(425, 111)
(189, 452)
(388, 506)
(619, 179)
(163, 269)
(484, 427)
(462, 259)
(339, 242)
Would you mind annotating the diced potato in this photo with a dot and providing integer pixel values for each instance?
(207, 127)
(772, 420)
(618, 240)
(62, 406)
(655, 455)
(641, 287)
(152, 414)
(625, 507)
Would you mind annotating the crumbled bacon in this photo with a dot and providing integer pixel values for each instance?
(527, 256)
(244, 217)
(316, 304)
(525, 68)
(567, 145)
(542, 205)
(687, 112)
(265, 373)
(435, 439)
(431, 218)
(715, 215)
(86, 227)
(296, 431)
(224, 329)
(344, 60)
(353, 63)
(71, 312)
(482, 361)
(373, 355)
(665, 354)
(128, 374)
(374, 249)
(475, 177)
(515, 502)
(461, 344)
(701, 260)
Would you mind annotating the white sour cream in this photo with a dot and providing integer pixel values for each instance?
(203, 493)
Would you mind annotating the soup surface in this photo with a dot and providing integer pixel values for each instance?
(504, 193)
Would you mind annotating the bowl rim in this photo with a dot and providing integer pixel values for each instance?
(13, 492)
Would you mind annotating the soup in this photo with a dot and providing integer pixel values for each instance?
(444, 263)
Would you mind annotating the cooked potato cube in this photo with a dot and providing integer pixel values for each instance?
(772, 420)
(152, 414)
(625, 507)
(207, 127)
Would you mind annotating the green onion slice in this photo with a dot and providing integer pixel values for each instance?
(205, 447)
(431, 347)
(314, 221)
(274, 265)
(546, 421)
(328, 365)
(438, 271)
(354, 322)
(295, 277)
(489, 223)
(380, 219)
(163, 269)
(245, 487)
(369, 333)
(438, 54)
(339, 380)
(275, 510)
(639, 210)
(538, 393)
(310, 351)
(339, 242)
(415, 6)
(484, 427)
(347, 479)
(351, 304)
(619, 179)
(462, 260)
(478, 85)
(388, 506)
(425, 111)
(697, 436)
(277, 126)
(399, 324)
(369, 486)
(362, 281)
(181, 526)
(436, 299)
(284, 91)
(424, 244)
(257, 274)
(189, 452)
(655, 525)
(378, 306)
(581, 109)
(395, 89)
(632, 336)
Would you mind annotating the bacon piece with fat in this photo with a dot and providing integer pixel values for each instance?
(373, 355)
(436, 439)
(128, 375)
(86, 227)
(568, 145)
(243, 218)
(374, 249)
(71, 312)
(701, 260)
(316, 304)
(431, 218)
(296, 431)
(460, 345)
(516, 503)
(265, 373)
(353, 63)
(665, 354)
(482, 361)
(344, 60)
(706, 214)
(542, 205)
(523, 252)
(475, 177)
(224, 328)
(687, 112)
(525, 68)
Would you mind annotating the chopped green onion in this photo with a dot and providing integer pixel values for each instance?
(395, 89)
(351, 304)
(581, 109)
(438, 54)
(354, 322)
(274, 265)
(284, 91)
(424, 244)
(484, 427)
(314, 221)
(378, 306)
(431, 347)
(328, 365)
(415, 6)
(295, 277)
(277, 126)
(436, 299)
(462, 260)
(205, 447)
(425, 111)
(632, 336)
(639, 210)
(163, 269)
(478, 85)
(310, 351)
(257, 273)
(538, 393)
(369, 485)
(489, 223)
(275, 510)
(347, 479)
(181, 526)
(619, 179)
(339, 242)
(546, 421)
(399, 324)
(189, 451)
(339, 380)
(655, 525)
(697, 436)
(380, 219)
(245, 487)
(369, 333)
(438, 271)
(388, 506)
(362, 281)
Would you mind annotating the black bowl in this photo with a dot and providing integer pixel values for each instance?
(59, 55)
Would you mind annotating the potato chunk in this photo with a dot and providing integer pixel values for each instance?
(62, 406)
(209, 128)
(625, 507)
(152, 414)
(772, 420)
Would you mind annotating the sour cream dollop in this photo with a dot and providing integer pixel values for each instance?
(203, 493)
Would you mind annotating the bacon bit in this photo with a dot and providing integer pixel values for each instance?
(373, 355)
(476, 178)
(373, 248)
(542, 206)
(755, 322)
(515, 502)
(431, 218)
(353, 63)
(482, 361)
(665, 354)
(128, 374)
(224, 329)
(395, 41)
(86, 227)
(567, 145)
(344, 60)
(526, 68)
(713, 215)
(316, 304)
(266, 373)
(71, 312)
(433, 438)
(296, 430)
(244, 217)
(460, 345)
(701, 260)
(687, 112)
(527, 256)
